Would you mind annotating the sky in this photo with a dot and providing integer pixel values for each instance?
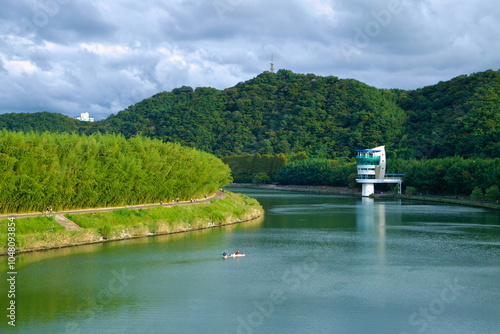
(101, 56)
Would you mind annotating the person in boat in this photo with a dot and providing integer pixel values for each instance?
(224, 254)
(237, 252)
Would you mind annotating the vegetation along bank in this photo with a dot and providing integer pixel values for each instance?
(70, 171)
(477, 178)
(48, 173)
(43, 232)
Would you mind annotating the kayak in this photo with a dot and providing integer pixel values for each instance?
(232, 255)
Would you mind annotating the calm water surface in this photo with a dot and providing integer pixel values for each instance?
(314, 264)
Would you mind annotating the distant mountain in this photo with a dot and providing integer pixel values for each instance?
(285, 112)
(273, 113)
(39, 122)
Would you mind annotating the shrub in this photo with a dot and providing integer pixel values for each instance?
(261, 178)
(477, 194)
(106, 231)
(410, 190)
(493, 193)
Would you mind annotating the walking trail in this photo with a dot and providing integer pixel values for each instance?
(71, 226)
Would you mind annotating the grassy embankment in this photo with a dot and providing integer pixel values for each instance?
(38, 233)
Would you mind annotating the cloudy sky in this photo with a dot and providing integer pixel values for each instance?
(100, 56)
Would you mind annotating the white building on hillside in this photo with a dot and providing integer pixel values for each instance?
(371, 170)
(85, 117)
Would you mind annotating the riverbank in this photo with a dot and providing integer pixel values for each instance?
(314, 189)
(445, 200)
(355, 192)
(44, 232)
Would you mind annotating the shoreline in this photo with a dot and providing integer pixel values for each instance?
(316, 189)
(357, 193)
(199, 216)
(443, 200)
(104, 241)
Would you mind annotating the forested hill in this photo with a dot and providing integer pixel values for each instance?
(272, 113)
(40, 122)
(460, 116)
(285, 112)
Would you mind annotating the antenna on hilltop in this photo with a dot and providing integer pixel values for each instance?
(272, 64)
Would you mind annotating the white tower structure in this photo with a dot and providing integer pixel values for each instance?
(371, 170)
(272, 64)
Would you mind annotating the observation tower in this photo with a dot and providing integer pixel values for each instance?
(371, 170)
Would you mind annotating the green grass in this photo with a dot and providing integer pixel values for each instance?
(44, 232)
(33, 225)
(28, 227)
(138, 222)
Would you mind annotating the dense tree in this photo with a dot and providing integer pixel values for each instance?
(75, 171)
(325, 117)
(246, 167)
(316, 172)
(457, 117)
(40, 122)
(452, 175)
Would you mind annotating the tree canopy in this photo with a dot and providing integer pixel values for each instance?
(326, 117)
(68, 171)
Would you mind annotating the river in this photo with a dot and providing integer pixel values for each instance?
(314, 264)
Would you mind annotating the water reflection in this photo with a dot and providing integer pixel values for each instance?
(23, 260)
(73, 287)
(371, 222)
(379, 272)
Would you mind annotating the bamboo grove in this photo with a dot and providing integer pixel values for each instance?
(69, 171)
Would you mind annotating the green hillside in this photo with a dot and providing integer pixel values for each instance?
(326, 117)
(272, 113)
(40, 122)
(457, 117)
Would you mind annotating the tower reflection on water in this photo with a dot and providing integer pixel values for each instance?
(372, 218)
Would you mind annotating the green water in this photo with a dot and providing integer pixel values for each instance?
(314, 264)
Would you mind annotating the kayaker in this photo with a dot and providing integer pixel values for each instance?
(237, 252)
(224, 254)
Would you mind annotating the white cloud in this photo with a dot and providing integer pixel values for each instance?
(101, 57)
(106, 50)
(19, 67)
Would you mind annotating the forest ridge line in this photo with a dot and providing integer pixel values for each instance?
(324, 116)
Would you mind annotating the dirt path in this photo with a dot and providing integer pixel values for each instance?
(71, 226)
(66, 223)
